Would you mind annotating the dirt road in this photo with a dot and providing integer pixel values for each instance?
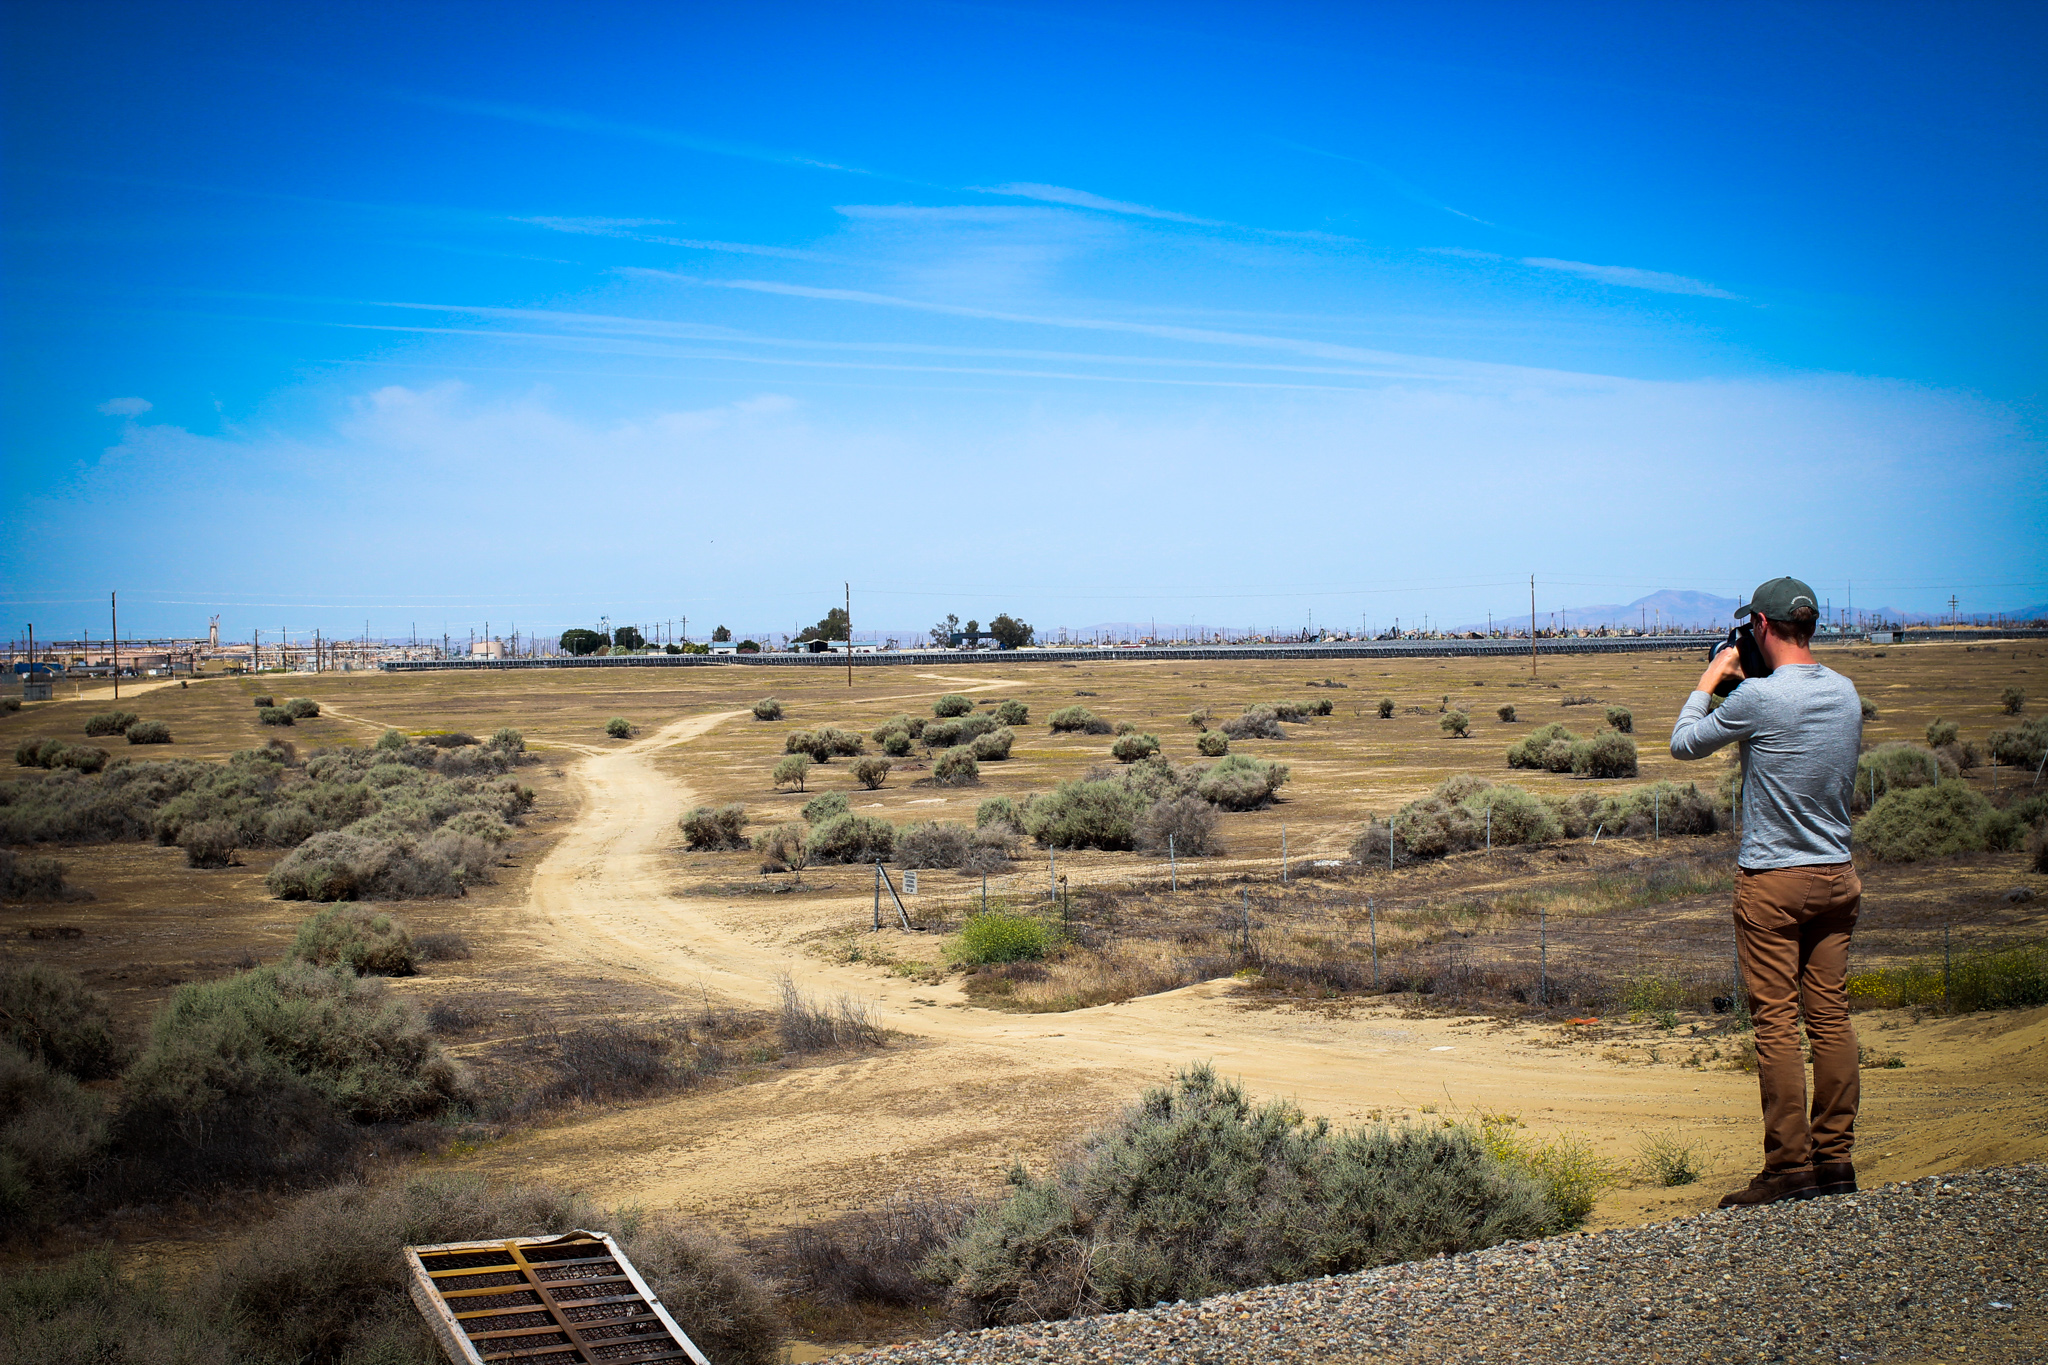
(968, 1090)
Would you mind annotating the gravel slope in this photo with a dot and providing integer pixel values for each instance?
(1949, 1268)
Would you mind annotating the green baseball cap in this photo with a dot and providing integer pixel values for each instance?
(1777, 599)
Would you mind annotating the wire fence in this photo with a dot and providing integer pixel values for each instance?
(1648, 933)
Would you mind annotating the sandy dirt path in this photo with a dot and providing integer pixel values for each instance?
(968, 1089)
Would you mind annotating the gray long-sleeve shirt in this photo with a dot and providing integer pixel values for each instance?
(1800, 730)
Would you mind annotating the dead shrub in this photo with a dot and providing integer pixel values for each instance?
(807, 1025)
(785, 848)
(441, 947)
(1184, 825)
(715, 829)
(936, 845)
(872, 1256)
(209, 843)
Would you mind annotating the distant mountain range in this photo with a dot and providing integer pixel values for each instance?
(1673, 608)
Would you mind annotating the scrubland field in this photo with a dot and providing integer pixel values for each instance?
(679, 1031)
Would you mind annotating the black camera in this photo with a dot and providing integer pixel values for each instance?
(1743, 641)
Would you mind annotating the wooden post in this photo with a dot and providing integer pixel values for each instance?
(1372, 918)
(114, 626)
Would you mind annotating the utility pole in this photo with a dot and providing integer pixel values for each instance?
(1951, 611)
(1532, 625)
(849, 633)
(114, 629)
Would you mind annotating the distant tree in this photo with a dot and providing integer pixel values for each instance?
(973, 626)
(628, 636)
(944, 631)
(721, 636)
(1009, 632)
(581, 641)
(834, 627)
(748, 647)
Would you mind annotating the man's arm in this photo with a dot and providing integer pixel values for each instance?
(1699, 731)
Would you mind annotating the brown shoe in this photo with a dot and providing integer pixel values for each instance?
(1771, 1186)
(1834, 1177)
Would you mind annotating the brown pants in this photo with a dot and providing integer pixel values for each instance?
(1792, 929)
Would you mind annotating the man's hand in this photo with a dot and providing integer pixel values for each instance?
(1726, 664)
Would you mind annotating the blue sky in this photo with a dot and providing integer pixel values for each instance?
(432, 314)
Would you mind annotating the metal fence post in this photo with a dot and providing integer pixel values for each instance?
(984, 893)
(1245, 911)
(878, 895)
(1944, 967)
(1052, 874)
(1543, 954)
(1172, 864)
(1489, 829)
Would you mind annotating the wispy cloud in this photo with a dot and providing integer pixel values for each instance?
(1394, 183)
(570, 121)
(978, 214)
(126, 407)
(1384, 363)
(603, 226)
(1630, 277)
(621, 228)
(1082, 199)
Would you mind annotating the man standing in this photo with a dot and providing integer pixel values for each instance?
(1796, 892)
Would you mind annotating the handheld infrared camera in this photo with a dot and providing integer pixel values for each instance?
(1742, 640)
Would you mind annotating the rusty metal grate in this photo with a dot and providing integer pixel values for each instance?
(568, 1300)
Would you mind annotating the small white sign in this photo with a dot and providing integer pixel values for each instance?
(910, 882)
